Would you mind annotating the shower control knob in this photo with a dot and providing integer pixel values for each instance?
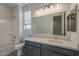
(14, 37)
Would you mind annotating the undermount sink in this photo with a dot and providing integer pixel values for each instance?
(55, 41)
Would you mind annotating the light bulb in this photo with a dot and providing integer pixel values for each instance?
(41, 12)
(58, 7)
(37, 13)
(46, 11)
(51, 8)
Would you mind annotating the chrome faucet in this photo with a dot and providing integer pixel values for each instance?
(55, 37)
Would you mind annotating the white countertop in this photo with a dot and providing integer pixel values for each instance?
(64, 44)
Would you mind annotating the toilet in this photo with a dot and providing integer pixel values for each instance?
(19, 49)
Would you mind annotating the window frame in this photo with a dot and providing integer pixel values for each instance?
(27, 30)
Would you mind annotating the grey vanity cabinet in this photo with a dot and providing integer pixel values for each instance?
(48, 50)
(35, 51)
(59, 51)
(58, 54)
(32, 49)
(28, 50)
(50, 53)
(45, 52)
(38, 49)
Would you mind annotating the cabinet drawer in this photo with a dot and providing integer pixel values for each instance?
(58, 54)
(60, 50)
(45, 52)
(32, 43)
(28, 50)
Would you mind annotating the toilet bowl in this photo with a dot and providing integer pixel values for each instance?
(19, 49)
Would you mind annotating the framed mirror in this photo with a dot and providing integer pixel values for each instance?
(71, 21)
(49, 24)
(59, 24)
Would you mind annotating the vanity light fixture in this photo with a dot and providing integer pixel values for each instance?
(37, 13)
(41, 10)
(58, 6)
(47, 9)
(52, 8)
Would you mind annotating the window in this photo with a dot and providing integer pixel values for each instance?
(27, 21)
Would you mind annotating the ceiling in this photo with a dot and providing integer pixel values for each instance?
(14, 4)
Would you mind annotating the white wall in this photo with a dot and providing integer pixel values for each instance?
(78, 26)
(20, 23)
(15, 19)
(5, 30)
(9, 29)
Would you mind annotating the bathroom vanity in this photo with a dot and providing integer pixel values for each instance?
(36, 46)
(56, 26)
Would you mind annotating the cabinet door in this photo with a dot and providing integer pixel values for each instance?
(58, 54)
(35, 51)
(47, 53)
(28, 50)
